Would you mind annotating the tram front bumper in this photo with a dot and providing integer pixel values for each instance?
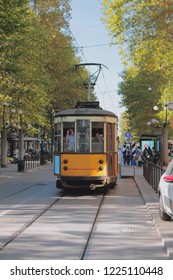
(86, 182)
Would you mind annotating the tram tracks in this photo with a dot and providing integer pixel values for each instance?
(29, 223)
(74, 225)
(92, 228)
(16, 235)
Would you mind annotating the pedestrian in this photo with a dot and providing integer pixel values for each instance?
(124, 153)
(138, 156)
(127, 156)
(147, 152)
(155, 155)
(133, 161)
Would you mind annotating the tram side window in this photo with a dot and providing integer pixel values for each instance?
(97, 137)
(57, 146)
(83, 136)
(68, 137)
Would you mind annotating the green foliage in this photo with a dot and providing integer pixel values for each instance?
(137, 98)
(143, 29)
(36, 70)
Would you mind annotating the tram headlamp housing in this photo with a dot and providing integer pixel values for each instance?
(65, 168)
(65, 161)
(100, 161)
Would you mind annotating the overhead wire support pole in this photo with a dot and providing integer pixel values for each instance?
(89, 90)
(92, 78)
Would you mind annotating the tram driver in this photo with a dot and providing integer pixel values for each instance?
(97, 142)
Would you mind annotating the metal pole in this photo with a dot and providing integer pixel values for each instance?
(165, 146)
(21, 138)
(89, 89)
(21, 145)
(52, 135)
(4, 143)
(165, 138)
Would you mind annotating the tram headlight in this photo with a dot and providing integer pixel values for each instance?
(100, 168)
(65, 161)
(101, 161)
(65, 168)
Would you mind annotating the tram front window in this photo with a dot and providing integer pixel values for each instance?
(97, 137)
(57, 138)
(68, 137)
(83, 136)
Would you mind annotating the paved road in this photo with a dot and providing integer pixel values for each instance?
(128, 227)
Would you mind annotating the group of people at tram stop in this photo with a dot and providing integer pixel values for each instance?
(70, 139)
(136, 157)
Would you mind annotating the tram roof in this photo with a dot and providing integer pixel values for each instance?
(85, 112)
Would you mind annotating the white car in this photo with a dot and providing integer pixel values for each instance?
(165, 191)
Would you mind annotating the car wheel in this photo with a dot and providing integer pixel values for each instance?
(163, 216)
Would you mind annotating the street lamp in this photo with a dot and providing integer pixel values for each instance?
(4, 146)
(4, 104)
(21, 137)
(164, 126)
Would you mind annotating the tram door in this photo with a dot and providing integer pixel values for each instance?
(110, 148)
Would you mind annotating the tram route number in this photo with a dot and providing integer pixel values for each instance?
(141, 270)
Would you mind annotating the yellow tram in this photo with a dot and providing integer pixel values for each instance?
(85, 147)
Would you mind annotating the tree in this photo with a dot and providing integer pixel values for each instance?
(137, 98)
(66, 86)
(143, 29)
(13, 23)
(38, 56)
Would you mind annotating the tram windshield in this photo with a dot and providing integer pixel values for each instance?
(57, 146)
(83, 136)
(69, 137)
(97, 137)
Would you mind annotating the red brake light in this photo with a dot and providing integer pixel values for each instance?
(168, 178)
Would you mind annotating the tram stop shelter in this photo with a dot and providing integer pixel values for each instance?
(155, 141)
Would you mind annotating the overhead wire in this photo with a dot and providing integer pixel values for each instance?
(80, 48)
(92, 46)
(108, 91)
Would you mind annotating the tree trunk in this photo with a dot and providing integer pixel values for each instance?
(4, 148)
(21, 145)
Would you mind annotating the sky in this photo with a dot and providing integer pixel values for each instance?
(93, 41)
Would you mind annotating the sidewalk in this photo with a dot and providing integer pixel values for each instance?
(9, 171)
(12, 181)
(151, 199)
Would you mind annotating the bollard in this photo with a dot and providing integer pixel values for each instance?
(21, 165)
(119, 169)
(133, 170)
(42, 160)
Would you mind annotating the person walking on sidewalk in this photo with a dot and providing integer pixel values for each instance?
(127, 156)
(147, 152)
(138, 155)
(124, 153)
